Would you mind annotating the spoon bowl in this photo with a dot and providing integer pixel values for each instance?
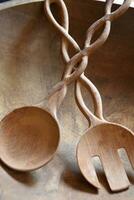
(29, 138)
(30, 135)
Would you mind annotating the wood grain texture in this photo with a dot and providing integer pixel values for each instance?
(30, 135)
(102, 139)
(25, 66)
(108, 137)
(29, 138)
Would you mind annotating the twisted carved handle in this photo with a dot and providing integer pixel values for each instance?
(82, 55)
(68, 77)
(95, 119)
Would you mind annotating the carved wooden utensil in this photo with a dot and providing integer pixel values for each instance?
(99, 124)
(118, 180)
(101, 144)
(30, 135)
(102, 139)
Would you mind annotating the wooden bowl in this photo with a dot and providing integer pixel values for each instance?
(31, 63)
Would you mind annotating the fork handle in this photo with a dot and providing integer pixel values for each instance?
(94, 119)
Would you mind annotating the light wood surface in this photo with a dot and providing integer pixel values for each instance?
(117, 136)
(25, 67)
(30, 135)
(103, 139)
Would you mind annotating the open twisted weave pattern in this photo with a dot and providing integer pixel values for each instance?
(80, 59)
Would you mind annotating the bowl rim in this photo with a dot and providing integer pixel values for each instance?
(14, 3)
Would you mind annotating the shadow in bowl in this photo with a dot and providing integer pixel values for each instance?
(26, 178)
(76, 181)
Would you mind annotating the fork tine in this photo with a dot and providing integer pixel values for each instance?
(90, 173)
(114, 170)
(130, 154)
(86, 165)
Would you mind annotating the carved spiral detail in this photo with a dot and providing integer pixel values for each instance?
(89, 47)
(80, 59)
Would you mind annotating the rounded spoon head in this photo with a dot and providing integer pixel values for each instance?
(103, 141)
(29, 138)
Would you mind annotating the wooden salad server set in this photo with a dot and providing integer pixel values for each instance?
(30, 135)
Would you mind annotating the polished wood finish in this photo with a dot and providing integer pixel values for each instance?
(25, 69)
(23, 146)
(101, 146)
(103, 139)
(29, 138)
(30, 135)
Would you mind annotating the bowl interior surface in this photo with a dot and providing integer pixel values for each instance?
(31, 63)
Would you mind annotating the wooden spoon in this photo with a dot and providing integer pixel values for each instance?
(30, 135)
(102, 139)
